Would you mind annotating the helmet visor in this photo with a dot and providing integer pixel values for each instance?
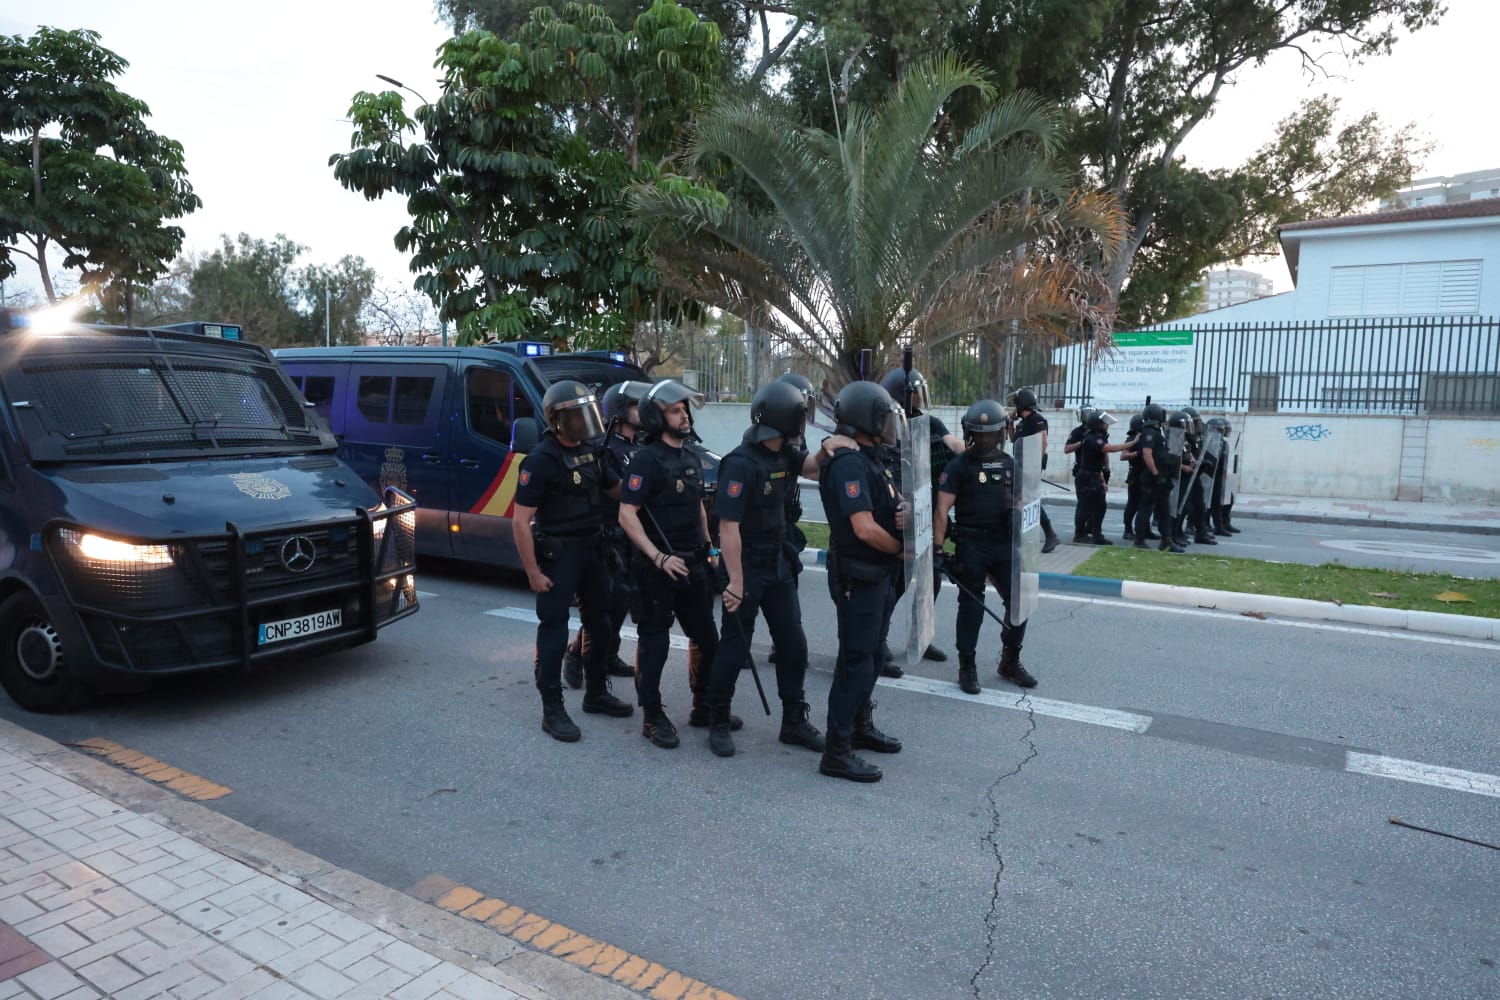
(578, 419)
(1107, 419)
(921, 399)
(893, 430)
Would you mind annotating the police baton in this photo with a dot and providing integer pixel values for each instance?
(983, 606)
(754, 673)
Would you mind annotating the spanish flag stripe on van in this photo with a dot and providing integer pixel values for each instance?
(499, 499)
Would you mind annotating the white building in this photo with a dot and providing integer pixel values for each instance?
(1230, 286)
(1425, 191)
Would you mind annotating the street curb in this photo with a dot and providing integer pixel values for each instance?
(529, 974)
(1355, 522)
(1465, 626)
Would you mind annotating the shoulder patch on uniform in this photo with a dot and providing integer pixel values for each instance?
(634, 484)
(852, 489)
(525, 476)
(736, 487)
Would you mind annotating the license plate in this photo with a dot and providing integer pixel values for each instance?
(296, 628)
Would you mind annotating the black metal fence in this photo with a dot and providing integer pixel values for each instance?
(1396, 366)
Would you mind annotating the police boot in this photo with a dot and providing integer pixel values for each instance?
(1011, 669)
(796, 729)
(657, 728)
(555, 721)
(619, 668)
(1050, 542)
(840, 761)
(934, 654)
(598, 700)
(867, 737)
(888, 667)
(701, 715)
(1204, 538)
(1173, 547)
(719, 740)
(572, 669)
(1099, 540)
(968, 673)
(1229, 528)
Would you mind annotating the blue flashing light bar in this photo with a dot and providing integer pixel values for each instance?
(219, 331)
(533, 349)
(617, 356)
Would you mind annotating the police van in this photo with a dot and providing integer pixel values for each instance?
(439, 423)
(168, 503)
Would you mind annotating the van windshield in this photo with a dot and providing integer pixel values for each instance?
(134, 407)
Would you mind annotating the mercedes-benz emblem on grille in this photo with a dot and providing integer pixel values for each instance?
(298, 554)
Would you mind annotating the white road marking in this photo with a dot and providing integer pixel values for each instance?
(1285, 622)
(1412, 550)
(626, 631)
(1089, 714)
(1424, 774)
(423, 595)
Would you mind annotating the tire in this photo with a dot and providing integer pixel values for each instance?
(33, 669)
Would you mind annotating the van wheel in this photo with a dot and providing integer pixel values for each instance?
(33, 669)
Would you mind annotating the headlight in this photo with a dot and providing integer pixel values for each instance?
(101, 548)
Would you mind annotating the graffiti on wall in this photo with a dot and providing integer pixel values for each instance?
(1488, 444)
(1307, 432)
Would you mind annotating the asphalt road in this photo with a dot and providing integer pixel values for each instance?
(1176, 811)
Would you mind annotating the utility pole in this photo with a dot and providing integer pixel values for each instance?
(327, 316)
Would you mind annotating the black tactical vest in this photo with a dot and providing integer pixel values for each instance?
(793, 457)
(763, 523)
(986, 496)
(877, 481)
(676, 501)
(618, 453)
(575, 506)
(1091, 456)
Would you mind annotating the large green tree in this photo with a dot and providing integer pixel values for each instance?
(877, 234)
(516, 184)
(80, 171)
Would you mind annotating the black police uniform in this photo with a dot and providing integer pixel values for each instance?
(618, 453)
(1034, 423)
(1134, 478)
(566, 486)
(860, 578)
(1158, 491)
(667, 483)
(984, 503)
(753, 484)
(1190, 496)
(1075, 436)
(1088, 483)
(795, 541)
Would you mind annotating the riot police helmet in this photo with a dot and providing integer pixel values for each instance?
(661, 397)
(866, 408)
(778, 409)
(1024, 399)
(984, 424)
(1085, 414)
(1220, 424)
(1137, 422)
(908, 388)
(1178, 418)
(1101, 421)
(572, 412)
(1154, 414)
(1195, 418)
(619, 398)
(804, 385)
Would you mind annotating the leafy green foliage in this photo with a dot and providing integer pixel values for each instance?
(516, 189)
(79, 169)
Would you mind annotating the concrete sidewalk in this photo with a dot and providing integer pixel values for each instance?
(1426, 515)
(111, 886)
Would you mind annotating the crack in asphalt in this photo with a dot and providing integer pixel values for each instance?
(992, 840)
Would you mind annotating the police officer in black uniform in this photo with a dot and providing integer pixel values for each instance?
(1135, 492)
(1092, 480)
(979, 488)
(1194, 509)
(795, 455)
(751, 505)
(661, 510)
(1070, 447)
(1028, 422)
(561, 486)
(1161, 470)
(622, 421)
(1218, 510)
(865, 524)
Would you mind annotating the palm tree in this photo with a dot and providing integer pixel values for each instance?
(890, 230)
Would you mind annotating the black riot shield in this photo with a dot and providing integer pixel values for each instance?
(916, 490)
(1202, 477)
(1026, 531)
(1176, 438)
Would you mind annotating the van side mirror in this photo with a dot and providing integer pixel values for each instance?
(524, 434)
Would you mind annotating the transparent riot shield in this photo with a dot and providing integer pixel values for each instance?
(1176, 439)
(1232, 471)
(1026, 531)
(1208, 466)
(915, 607)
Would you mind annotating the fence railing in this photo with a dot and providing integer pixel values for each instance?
(1399, 366)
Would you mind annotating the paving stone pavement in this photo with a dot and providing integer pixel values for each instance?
(98, 899)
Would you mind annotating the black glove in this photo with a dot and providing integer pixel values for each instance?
(939, 562)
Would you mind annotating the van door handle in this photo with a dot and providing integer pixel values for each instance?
(469, 463)
(432, 459)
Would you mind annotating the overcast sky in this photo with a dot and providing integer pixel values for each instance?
(257, 94)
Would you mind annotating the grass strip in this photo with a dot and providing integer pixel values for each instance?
(1333, 582)
(816, 532)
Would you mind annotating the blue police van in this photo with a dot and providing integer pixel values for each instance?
(169, 503)
(440, 422)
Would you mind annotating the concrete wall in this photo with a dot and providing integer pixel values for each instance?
(1311, 455)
